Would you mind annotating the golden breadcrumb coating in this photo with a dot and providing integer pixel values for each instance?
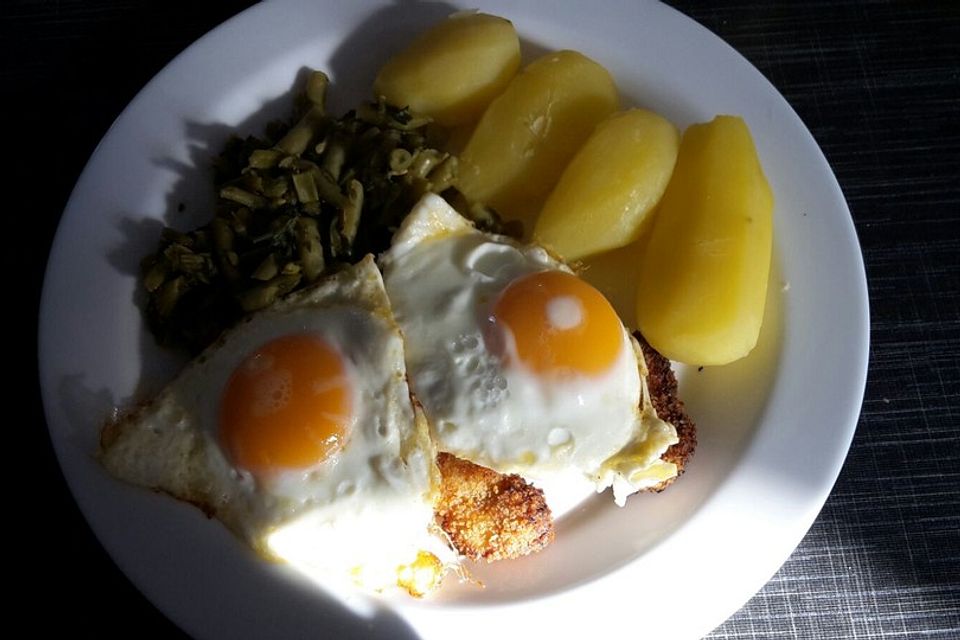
(488, 515)
(662, 384)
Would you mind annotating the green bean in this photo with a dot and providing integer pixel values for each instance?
(400, 160)
(265, 294)
(239, 219)
(183, 259)
(444, 175)
(424, 160)
(333, 158)
(393, 138)
(169, 294)
(305, 187)
(316, 91)
(309, 248)
(267, 269)
(299, 137)
(251, 181)
(264, 158)
(276, 188)
(222, 234)
(154, 276)
(242, 196)
(350, 214)
(337, 245)
(328, 188)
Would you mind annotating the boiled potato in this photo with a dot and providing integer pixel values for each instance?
(608, 190)
(703, 277)
(529, 133)
(453, 70)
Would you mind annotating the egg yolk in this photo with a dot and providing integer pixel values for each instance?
(287, 406)
(560, 324)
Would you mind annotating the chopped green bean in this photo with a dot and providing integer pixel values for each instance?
(400, 160)
(424, 161)
(169, 294)
(299, 137)
(263, 295)
(333, 158)
(267, 269)
(306, 187)
(444, 175)
(316, 192)
(309, 248)
(350, 214)
(328, 188)
(241, 196)
(264, 158)
(338, 248)
(154, 276)
(316, 92)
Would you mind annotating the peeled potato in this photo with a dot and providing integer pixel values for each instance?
(704, 273)
(529, 133)
(453, 70)
(609, 188)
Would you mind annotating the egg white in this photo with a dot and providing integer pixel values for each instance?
(382, 484)
(442, 276)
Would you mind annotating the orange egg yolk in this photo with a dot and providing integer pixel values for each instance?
(287, 406)
(560, 324)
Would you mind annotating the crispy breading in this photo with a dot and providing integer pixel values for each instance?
(488, 515)
(662, 384)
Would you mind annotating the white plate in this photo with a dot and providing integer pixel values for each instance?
(774, 428)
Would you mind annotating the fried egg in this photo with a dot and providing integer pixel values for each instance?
(297, 431)
(520, 365)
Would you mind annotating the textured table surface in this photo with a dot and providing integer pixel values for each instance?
(877, 83)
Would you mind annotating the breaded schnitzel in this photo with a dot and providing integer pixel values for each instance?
(662, 384)
(489, 515)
